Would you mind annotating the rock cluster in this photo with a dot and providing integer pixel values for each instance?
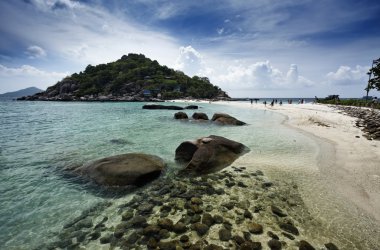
(197, 213)
(368, 120)
(217, 118)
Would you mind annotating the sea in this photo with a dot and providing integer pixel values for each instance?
(39, 140)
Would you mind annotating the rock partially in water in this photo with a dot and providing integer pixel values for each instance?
(122, 170)
(191, 107)
(225, 119)
(200, 116)
(209, 154)
(180, 116)
(158, 106)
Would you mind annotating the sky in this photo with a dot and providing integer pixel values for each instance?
(260, 48)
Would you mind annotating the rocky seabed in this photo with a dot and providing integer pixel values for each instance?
(233, 209)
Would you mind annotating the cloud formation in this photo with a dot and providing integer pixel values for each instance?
(26, 76)
(189, 61)
(261, 75)
(35, 52)
(346, 75)
(27, 70)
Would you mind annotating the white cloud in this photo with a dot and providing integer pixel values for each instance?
(27, 70)
(260, 75)
(35, 52)
(46, 5)
(220, 31)
(346, 75)
(189, 61)
(27, 76)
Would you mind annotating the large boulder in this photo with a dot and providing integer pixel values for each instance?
(121, 170)
(180, 115)
(208, 154)
(225, 119)
(158, 106)
(200, 116)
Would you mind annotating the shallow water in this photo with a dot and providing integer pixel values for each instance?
(38, 139)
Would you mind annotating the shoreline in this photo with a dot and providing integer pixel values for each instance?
(344, 192)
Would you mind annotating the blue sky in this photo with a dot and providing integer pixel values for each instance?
(261, 48)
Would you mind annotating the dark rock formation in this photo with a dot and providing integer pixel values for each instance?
(225, 119)
(157, 106)
(368, 120)
(180, 116)
(200, 116)
(209, 154)
(121, 170)
(191, 107)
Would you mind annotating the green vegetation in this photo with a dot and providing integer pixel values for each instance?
(374, 82)
(135, 75)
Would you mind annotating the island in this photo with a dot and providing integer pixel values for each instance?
(133, 77)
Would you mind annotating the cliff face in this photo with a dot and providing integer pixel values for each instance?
(131, 78)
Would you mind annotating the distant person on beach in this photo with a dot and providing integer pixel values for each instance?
(271, 104)
(251, 101)
(280, 103)
(265, 103)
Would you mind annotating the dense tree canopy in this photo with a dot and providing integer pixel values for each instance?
(133, 74)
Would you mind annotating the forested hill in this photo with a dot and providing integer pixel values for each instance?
(131, 78)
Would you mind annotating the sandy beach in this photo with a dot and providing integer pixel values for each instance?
(346, 182)
(355, 173)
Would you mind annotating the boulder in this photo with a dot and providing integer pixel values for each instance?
(158, 106)
(180, 115)
(208, 154)
(122, 170)
(200, 116)
(225, 119)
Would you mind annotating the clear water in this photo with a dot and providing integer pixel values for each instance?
(39, 139)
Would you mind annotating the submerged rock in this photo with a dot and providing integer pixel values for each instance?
(289, 228)
(255, 228)
(304, 245)
(121, 170)
(208, 154)
(224, 234)
(274, 244)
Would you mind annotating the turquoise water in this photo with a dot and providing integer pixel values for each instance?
(39, 139)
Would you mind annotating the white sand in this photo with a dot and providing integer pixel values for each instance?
(355, 173)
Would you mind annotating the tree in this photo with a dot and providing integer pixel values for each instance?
(374, 82)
